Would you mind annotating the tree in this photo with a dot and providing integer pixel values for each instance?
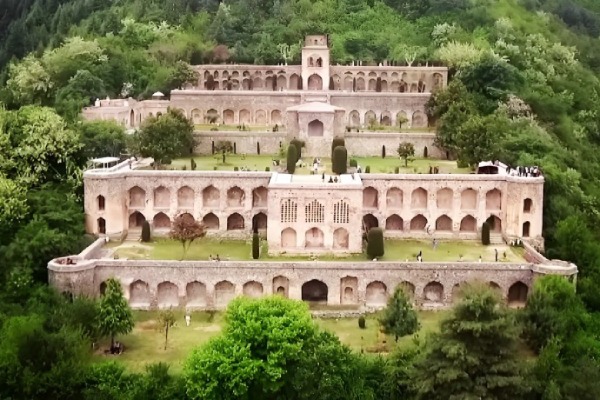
(114, 317)
(146, 235)
(166, 320)
(186, 229)
(164, 137)
(102, 138)
(291, 159)
(255, 246)
(406, 151)
(13, 205)
(340, 160)
(182, 74)
(399, 318)
(375, 246)
(474, 355)
(480, 138)
(337, 141)
(485, 233)
(29, 81)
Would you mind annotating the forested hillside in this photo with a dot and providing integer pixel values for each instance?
(525, 89)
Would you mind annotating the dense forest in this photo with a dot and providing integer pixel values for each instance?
(524, 89)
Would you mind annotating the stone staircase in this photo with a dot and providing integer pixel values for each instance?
(496, 238)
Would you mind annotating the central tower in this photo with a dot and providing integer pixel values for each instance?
(315, 63)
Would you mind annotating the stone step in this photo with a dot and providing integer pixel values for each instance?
(496, 239)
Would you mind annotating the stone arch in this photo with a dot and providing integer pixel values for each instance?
(495, 287)
(314, 238)
(517, 294)
(418, 199)
(341, 238)
(468, 224)
(401, 118)
(137, 197)
(259, 197)
(196, 116)
(315, 128)
(131, 119)
(315, 82)
(246, 84)
(468, 199)
(493, 200)
(348, 83)
(139, 294)
(408, 288)
(376, 295)
(161, 221)
(228, 117)
(281, 82)
(315, 291)
(211, 196)
(419, 120)
(253, 289)
(526, 228)
(224, 293)
(162, 197)
(270, 83)
(257, 83)
(102, 288)
(370, 117)
(276, 117)
(370, 197)
(495, 224)
(136, 220)
(384, 85)
(212, 116)
(195, 294)
(354, 118)
(167, 295)
(101, 202)
(281, 286)
(360, 85)
(294, 82)
(444, 199)
(372, 85)
(527, 205)
(414, 88)
(438, 81)
(101, 222)
(261, 117)
(443, 223)
(394, 223)
(235, 222)
(370, 221)
(259, 221)
(418, 223)
(245, 117)
(349, 290)
(185, 198)
(394, 198)
(386, 118)
(288, 238)
(433, 292)
(211, 222)
(235, 197)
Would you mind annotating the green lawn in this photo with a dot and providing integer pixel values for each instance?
(259, 163)
(145, 344)
(240, 250)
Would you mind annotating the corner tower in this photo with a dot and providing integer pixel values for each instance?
(315, 63)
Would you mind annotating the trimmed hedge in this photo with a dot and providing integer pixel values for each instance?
(340, 160)
(337, 141)
(255, 246)
(367, 169)
(292, 158)
(146, 236)
(362, 323)
(375, 243)
(485, 234)
(353, 162)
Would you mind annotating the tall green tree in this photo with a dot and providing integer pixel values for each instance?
(102, 138)
(399, 317)
(114, 317)
(475, 354)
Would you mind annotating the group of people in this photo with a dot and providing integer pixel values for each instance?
(211, 258)
(527, 172)
(332, 179)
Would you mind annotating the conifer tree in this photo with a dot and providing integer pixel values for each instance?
(114, 317)
(399, 318)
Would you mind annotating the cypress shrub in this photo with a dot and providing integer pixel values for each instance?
(193, 164)
(258, 148)
(425, 152)
(367, 169)
(213, 147)
(362, 323)
(340, 160)
(375, 243)
(236, 169)
(396, 169)
(267, 169)
(383, 151)
(234, 148)
(485, 234)
(146, 237)
(353, 162)
(299, 144)
(255, 246)
(292, 158)
(337, 141)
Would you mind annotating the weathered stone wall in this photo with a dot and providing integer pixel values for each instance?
(369, 144)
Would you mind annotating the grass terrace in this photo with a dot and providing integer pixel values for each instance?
(260, 163)
(281, 128)
(145, 345)
(241, 250)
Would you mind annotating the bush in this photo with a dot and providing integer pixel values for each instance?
(292, 158)
(299, 144)
(267, 169)
(339, 160)
(425, 152)
(375, 243)
(146, 237)
(485, 233)
(337, 141)
(258, 148)
(383, 151)
(215, 168)
(193, 164)
(184, 167)
(396, 170)
(213, 147)
(353, 163)
(255, 246)
(234, 148)
(367, 169)
(362, 323)
(236, 169)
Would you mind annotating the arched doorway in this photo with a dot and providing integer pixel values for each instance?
(315, 82)
(315, 128)
(315, 291)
